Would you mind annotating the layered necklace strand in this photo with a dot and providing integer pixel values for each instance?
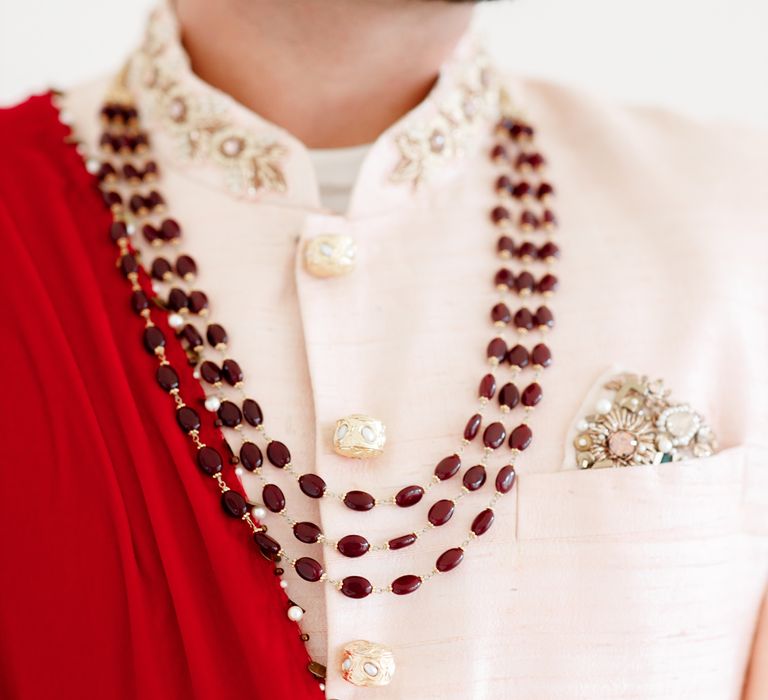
(522, 208)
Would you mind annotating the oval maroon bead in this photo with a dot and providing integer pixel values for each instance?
(118, 230)
(409, 496)
(520, 437)
(544, 317)
(487, 387)
(505, 479)
(447, 467)
(139, 301)
(536, 160)
(167, 378)
(528, 220)
(137, 204)
(210, 372)
(403, 585)
(499, 214)
(209, 460)
(505, 247)
(309, 569)
(474, 477)
(128, 264)
(482, 522)
(229, 414)
(161, 269)
(402, 541)
(312, 485)
(525, 283)
(523, 319)
(273, 498)
(278, 453)
(269, 546)
(527, 251)
(549, 251)
(112, 199)
(359, 500)
(231, 372)
(192, 337)
(532, 394)
(521, 189)
(187, 419)
(549, 220)
(252, 412)
(541, 355)
(503, 184)
(150, 233)
(107, 173)
(198, 302)
(501, 314)
(504, 279)
(216, 335)
(250, 456)
(153, 339)
(494, 435)
(473, 427)
(544, 190)
(154, 200)
(509, 396)
(234, 504)
(498, 152)
(548, 284)
(307, 532)
(518, 356)
(356, 587)
(150, 170)
(440, 512)
(177, 299)
(449, 559)
(170, 229)
(186, 267)
(353, 546)
(497, 350)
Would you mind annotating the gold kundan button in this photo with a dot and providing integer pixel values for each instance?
(367, 664)
(330, 255)
(359, 436)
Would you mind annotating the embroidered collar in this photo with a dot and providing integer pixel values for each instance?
(250, 154)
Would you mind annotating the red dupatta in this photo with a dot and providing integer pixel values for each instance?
(120, 576)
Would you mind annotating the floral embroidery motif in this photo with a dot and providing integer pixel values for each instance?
(640, 424)
(204, 130)
(443, 137)
(200, 123)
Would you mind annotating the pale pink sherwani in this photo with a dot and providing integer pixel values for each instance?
(641, 583)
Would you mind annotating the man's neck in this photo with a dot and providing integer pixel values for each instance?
(334, 73)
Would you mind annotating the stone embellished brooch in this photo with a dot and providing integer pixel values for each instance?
(638, 423)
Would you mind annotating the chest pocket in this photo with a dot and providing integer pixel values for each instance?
(695, 498)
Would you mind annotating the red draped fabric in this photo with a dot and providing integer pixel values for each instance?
(120, 577)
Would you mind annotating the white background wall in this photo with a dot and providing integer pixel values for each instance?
(708, 57)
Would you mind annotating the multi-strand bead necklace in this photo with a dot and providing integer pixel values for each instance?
(127, 176)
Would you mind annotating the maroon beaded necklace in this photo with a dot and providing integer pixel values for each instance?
(523, 208)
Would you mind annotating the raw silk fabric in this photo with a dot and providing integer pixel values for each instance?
(120, 575)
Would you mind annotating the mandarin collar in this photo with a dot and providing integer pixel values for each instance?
(212, 138)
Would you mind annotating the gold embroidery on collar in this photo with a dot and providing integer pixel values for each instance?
(199, 123)
(204, 131)
(445, 136)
